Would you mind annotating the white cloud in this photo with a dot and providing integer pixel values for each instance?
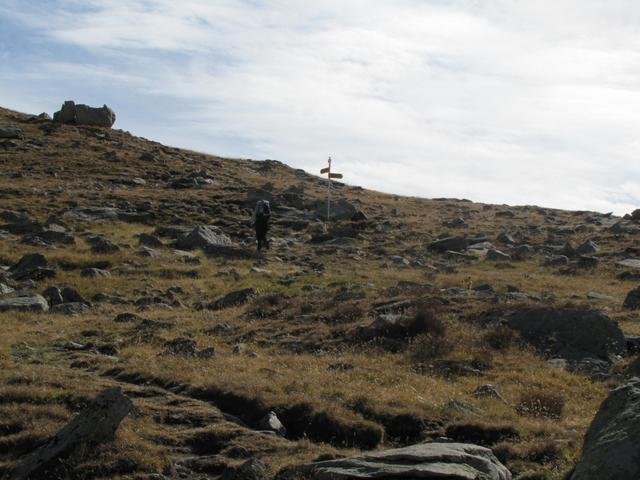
(507, 102)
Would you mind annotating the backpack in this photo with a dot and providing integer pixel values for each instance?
(263, 209)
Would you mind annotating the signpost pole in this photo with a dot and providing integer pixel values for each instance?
(329, 192)
(330, 175)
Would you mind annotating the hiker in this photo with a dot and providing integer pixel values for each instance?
(260, 220)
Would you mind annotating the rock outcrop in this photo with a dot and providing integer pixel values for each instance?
(568, 333)
(85, 115)
(453, 461)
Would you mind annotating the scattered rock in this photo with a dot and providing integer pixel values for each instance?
(95, 273)
(203, 236)
(102, 245)
(233, 299)
(96, 424)
(632, 301)
(555, 261)
(497, 256)
(455, 244)
(587, 248)
(506, 238)
(488, 391)
(149, 241)
(71, 308)
(252, 469)
(453, 461)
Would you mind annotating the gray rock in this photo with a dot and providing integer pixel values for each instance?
(233, 299)
(481, 246)
(85, 115)
(341, 209)
(488, 391)
(96, 424)
(94, 273)
(102, 245)
(523, 252)
(71, 308)
(203, 236)
(9, 131)
(149, 241)
(568, 333)
(146, 252)
(33, 266)
(13, 216)
(455, 244)
(92, 213)
(67, 113)
(555, 261)
(252, 469)
(632, 301)
(497, 256)
(453, 461)
(506, 238)
(629, 263)
(611, 450)
(53, 296)
(31, 303)
(599, 296)
(587, 248)
(5, 289)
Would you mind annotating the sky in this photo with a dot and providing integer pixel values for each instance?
(522, 102)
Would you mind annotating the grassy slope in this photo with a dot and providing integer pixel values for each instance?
(42, 384)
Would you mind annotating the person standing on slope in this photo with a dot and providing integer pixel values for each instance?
(260, 219)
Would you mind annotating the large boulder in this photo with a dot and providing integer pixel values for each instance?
(611, 449)
(341, 209)
(85, 115)
(96, 424)
(453, 461)
(31, 303)
(455, 244)
(33, 266)
(203, 236)
(632, 301)
(568, 333)
(9, 131)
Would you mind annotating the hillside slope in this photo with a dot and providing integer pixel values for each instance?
(358, 333)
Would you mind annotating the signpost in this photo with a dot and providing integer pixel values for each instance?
(330, 175)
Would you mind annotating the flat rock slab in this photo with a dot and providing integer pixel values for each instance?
(629, 263)
(32, 303)
(451, 461)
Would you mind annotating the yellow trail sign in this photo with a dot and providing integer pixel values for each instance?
(325, 170)
(335, 175)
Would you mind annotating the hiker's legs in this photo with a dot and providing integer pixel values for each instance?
(260, 236)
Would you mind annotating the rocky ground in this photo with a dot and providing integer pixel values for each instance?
(128, 267)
